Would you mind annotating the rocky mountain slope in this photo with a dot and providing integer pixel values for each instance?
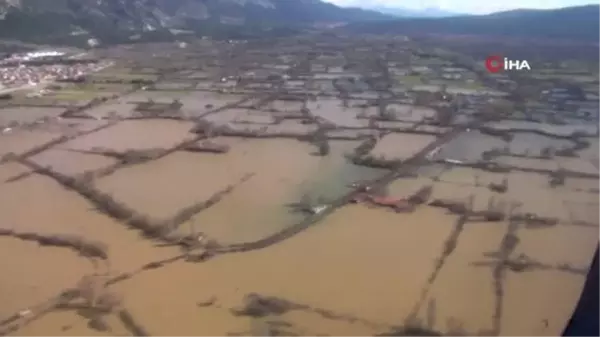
(107, 19)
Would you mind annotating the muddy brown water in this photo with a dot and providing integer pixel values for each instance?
(26, 115)
(70, 163)
(135, 135)
(261, 204)
(20, 141)
(11, 170)
(401, 146)
(56, 212)
(372, 267)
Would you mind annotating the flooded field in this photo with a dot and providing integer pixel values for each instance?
(115, 108)
(529, 163)
(71, 163)
(470, 146)
(334, 111)
(135, 135)
(401, 146)
(297, 174)
(20, 140)
(409, 113)
(17, 115)
(534, 144)
(554, 129)
(11, 171)
(263, 236)
(22, 287)
(579, 165)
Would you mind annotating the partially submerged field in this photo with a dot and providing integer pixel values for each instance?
(228, 217)
(327, 272)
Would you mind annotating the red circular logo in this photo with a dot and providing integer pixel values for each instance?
(494, 63)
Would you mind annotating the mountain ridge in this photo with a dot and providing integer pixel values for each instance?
(572, 23)
(112, 20)
(117, 21)
(431, 12)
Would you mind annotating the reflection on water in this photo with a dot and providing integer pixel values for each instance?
(533, 144)
(469, 146)
(335, 174)
(401, 146)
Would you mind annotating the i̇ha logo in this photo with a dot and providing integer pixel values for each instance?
(496, 63)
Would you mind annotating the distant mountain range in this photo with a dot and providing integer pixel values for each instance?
(112, 21)
(412, 13)
(579, 23)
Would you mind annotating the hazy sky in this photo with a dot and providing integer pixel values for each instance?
(468, 6)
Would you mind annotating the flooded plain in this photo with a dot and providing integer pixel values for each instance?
(292, 254)
(401, 146)
(135, 135)
(20, 141)
(470, 146)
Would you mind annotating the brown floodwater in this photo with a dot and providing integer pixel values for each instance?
(462, 296)
(11, 170)
(19, 141)
(135, 135)
(71, 163)
(163, 187)
(26, 115)
(58, 211)
(461, 277)
(342, 279)
(20, 284)
(117, 108)
(37, 204)
(533, 191)
(401, 146)
(359, 271)
(573, 183)
(261, 204)
(580, 198)
(532, 314)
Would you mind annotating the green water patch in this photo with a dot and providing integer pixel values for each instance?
(335, 174)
